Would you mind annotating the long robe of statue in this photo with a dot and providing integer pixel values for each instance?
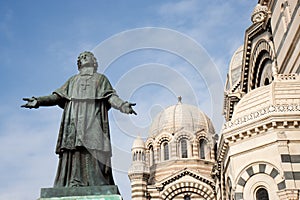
(83, 143)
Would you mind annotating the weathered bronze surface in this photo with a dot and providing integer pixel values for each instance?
(83, 143)
(79, 191)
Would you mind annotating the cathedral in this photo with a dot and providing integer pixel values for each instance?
(256, 156)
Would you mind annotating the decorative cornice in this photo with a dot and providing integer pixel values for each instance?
(139, 168)
(261, 129)
(253, 116)
(283, 77)
(186, 172)
(227, 139)
(235, 86)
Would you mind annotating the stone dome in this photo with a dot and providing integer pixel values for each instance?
(235, 69)
(138, 143)
(181, 117)
(281, 96)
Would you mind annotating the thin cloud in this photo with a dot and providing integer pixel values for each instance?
(29, 137)
(29, 161)
(216, 25)
(179, 8)
(5, 24)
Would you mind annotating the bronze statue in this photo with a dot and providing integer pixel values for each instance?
(83, 143)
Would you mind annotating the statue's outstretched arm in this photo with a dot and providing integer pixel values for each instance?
(35, 102)
(123, 106)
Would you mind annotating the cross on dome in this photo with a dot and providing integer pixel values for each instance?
(180, 99)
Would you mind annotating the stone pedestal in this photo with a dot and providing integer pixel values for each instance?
(107, 192)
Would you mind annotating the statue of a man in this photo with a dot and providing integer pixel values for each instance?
(83, 143)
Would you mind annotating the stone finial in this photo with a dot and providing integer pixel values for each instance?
(138, 143)
(180, 99)
(259, 13)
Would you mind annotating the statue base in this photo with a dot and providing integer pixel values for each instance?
(91, 197)
(106, 192)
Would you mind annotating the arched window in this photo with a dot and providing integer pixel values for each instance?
(262, 194)
(202, 149)
(151, 160)
(165, 151)
(266, 73)
(187, 197)
(143, 157)
(183, 148)
(140, 156)
(267, 81)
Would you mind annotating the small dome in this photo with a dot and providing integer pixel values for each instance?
(281, 95)
(181, 117)
(235, 69)
(138, 143)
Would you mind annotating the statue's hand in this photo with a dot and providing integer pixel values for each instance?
(31, 103)
(127, 108)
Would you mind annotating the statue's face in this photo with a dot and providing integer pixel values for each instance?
(85, 60)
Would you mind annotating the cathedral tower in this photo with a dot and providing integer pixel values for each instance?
(259, 156)
(139, 170)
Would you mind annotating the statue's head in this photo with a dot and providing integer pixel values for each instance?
(87, 59)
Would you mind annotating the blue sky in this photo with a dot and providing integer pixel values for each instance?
(151, 51)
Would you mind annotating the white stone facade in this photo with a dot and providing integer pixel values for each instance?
(258, 153)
